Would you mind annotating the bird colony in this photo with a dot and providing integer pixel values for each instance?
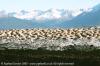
(49, 38)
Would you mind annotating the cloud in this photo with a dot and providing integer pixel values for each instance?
(26, 14)
(42, 15)
(3, 14)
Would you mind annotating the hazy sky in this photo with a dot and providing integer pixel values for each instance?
(14, 5)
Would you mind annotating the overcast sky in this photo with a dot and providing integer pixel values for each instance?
(15, 5)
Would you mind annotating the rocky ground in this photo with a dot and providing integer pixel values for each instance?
(34, 38)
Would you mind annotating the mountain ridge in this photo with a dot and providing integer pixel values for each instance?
(53, 19)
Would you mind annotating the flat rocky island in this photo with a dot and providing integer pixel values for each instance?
(57, 38)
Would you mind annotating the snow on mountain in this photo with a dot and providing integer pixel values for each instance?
(89, 17)
(52, 18)
(25, 14)
(50, 14)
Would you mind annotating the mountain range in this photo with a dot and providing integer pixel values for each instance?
(52, 18)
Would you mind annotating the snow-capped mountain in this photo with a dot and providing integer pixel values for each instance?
(43, 15)
(52, 18)
(88, 18)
